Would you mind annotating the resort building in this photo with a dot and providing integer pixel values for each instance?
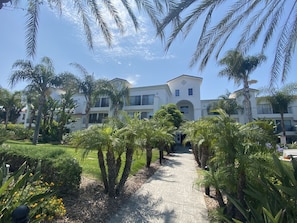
(184, 91)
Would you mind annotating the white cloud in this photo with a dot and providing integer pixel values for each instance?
(141, 43)
(133, 79)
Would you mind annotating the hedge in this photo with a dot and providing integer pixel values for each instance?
(56, 166)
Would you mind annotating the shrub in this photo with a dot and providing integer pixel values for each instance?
(25, 188)
(20, 132)
(57, 166)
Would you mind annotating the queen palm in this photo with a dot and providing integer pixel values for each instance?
(280, 99)
(239, 68)
(89, 87)
(41, 78)
(250, 22)
(229, 105)
(118, 95)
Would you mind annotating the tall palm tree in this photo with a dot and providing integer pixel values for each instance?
(118, 95)
(90, 87)
(9, 101)
(280, 99)
(41, 78)
(258, 22)
(88, 11)
(239, 68)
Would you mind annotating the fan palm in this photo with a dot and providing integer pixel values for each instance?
(41, 78)
(239, 68)
(258, 22)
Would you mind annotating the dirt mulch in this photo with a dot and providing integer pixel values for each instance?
(93, 206)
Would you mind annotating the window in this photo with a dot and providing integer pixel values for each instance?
(184, 109)
(104, 102)
(190, 91)
(135, 100)
(264, 109)
(177, 92)
(102, 117)
(92, 118)
(287, 123)
(148, 99)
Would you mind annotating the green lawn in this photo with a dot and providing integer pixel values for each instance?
(89, 164)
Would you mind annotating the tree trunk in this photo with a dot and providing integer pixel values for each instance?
(219, 198)
(103, 169)
(6, 118)
(204, 156)
(247, 101)
(283, 127)
(149, 155)
(240, 194)
(111, 172)
(88, 108)
(38, 119)
(126, 171)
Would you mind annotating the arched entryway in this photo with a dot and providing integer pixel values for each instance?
(187, 108)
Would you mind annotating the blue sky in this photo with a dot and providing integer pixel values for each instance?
(138, 57)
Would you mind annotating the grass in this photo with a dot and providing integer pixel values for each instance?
(89, 164)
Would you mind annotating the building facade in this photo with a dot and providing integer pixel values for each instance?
(184, 91)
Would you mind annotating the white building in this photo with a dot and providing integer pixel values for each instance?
(184, 91)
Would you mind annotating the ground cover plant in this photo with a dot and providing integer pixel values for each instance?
(25, 188)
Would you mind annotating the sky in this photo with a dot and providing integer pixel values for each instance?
(138, 57)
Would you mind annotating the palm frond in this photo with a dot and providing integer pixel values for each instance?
(32, 27)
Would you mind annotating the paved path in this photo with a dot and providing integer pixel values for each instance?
(169, 196)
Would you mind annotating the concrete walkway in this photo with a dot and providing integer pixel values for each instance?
(170, 195)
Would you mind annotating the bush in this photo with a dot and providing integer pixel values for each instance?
(25, 188)
(56, 166)
(20, 132)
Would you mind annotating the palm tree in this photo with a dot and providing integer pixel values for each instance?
(41, 78)
(91, 10)
(32, 105)
(90, 88)
(229, 105)
(257, 21)
(10, 102)
(280, 99)
(239, 68)
(118, 95)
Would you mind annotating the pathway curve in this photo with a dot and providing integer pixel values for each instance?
(169, 196)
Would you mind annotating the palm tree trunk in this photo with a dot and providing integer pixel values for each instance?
(88, 108)
(6, 118)
(103, 169)
(126, 171)
(38, 119)
(111, 172)
(247, 101)
(283, 128)
(149, 155)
